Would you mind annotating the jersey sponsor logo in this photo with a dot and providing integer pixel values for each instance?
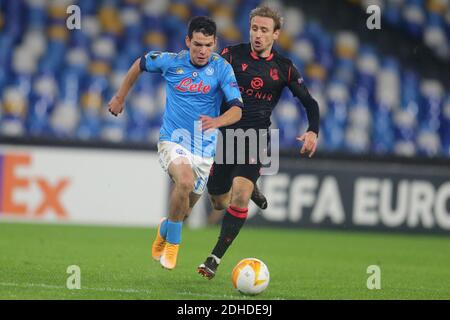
(257, 83)
(256, 94)
(244, 66)
(187, 85)
(274, 74)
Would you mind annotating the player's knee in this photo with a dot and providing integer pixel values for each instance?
(185, 184)
(219, 204)
(241, 198)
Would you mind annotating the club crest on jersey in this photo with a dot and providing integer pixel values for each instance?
(179, 71)
(195, 74)
(244, 66)
(209, 71)
(274, 74)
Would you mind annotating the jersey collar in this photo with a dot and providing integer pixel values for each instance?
(199, 67)
(256, 57)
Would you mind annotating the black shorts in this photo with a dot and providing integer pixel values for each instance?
(241, 163)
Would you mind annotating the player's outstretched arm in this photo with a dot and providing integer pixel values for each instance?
(299, 90)
(117, 102)
(231, 116)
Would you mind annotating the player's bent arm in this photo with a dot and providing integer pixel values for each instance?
(309, 138)
(131, 77)
(299, 90)
(117, 102)
(310, 104)
(230, 116)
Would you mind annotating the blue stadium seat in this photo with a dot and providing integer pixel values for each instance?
(56, 82)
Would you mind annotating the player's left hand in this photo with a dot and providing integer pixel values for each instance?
(209, 123)
(309, 140)
(116, 105)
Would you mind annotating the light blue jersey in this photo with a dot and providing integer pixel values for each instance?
(192, 91)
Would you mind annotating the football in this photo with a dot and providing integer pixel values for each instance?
(250, 276)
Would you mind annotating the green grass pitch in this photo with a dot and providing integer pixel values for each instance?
(115, 263)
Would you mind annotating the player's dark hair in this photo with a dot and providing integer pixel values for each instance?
(202, 24)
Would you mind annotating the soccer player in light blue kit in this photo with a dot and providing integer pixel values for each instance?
(198, 81)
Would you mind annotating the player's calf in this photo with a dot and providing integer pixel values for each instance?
(232, 223)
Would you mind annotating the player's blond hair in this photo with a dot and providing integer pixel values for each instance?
(268, 12)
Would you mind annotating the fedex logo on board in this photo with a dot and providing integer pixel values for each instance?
(14, 182)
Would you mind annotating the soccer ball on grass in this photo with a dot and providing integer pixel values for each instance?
(250, 276)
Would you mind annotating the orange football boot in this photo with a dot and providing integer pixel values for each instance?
(159, 243)
(169, 257)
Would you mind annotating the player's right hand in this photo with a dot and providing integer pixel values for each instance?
(208, 123)
(115, 105)
(309, 140)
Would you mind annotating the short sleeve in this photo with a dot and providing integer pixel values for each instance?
(226, 54)
(228, 82)
(156, 61)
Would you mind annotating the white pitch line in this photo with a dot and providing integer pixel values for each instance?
(48, 286)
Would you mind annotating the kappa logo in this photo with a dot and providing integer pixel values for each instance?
(244, 66)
